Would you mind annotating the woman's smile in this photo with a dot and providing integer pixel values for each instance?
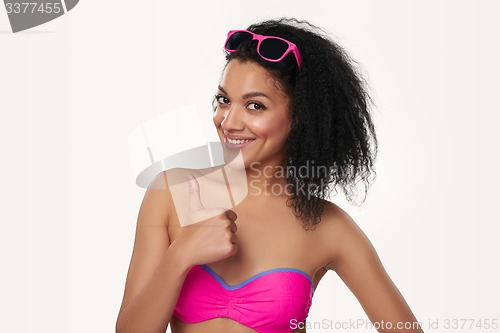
(236, 143)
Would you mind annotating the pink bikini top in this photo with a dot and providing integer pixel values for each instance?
(268, 302)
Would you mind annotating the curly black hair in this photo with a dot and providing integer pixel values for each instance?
(332, 129)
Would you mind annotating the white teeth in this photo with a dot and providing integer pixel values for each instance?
(237, 142)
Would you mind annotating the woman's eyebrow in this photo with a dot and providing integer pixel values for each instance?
(248, 95)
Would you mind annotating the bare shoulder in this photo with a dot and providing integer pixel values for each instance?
(159, 199)
(339, 233)
(353, 257)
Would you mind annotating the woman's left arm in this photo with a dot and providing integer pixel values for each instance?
(358, 265)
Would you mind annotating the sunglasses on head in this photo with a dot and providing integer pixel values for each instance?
(270, 48)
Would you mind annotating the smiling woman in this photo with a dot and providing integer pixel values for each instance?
(289, 99)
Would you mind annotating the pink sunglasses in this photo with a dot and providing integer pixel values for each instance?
(270, 48)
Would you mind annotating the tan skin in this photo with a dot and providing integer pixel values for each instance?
(241, 244)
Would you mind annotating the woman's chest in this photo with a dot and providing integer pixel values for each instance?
(268, 238)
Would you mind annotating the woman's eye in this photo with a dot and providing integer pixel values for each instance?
(256, 106)
(221, 99)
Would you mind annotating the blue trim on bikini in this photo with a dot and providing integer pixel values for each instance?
(269, 271)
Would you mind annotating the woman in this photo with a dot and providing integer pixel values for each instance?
(291, 102)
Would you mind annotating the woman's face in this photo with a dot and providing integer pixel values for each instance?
(252, 115)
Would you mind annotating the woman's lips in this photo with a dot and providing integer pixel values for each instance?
(236, 143)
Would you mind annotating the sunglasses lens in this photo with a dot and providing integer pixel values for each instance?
(236, 39)
(273, 48)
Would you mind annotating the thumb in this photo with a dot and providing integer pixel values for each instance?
(194, 193)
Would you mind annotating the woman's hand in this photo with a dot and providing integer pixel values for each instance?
(212, 239)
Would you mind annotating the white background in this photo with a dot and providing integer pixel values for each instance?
(73, 89)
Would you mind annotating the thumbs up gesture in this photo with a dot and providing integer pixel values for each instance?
(213, 238)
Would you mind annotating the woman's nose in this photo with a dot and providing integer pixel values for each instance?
(233, 119)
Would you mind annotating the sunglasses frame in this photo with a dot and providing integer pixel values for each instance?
(291, 46)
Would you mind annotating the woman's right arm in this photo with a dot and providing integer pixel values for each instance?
(158, 267)
(156, 272)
